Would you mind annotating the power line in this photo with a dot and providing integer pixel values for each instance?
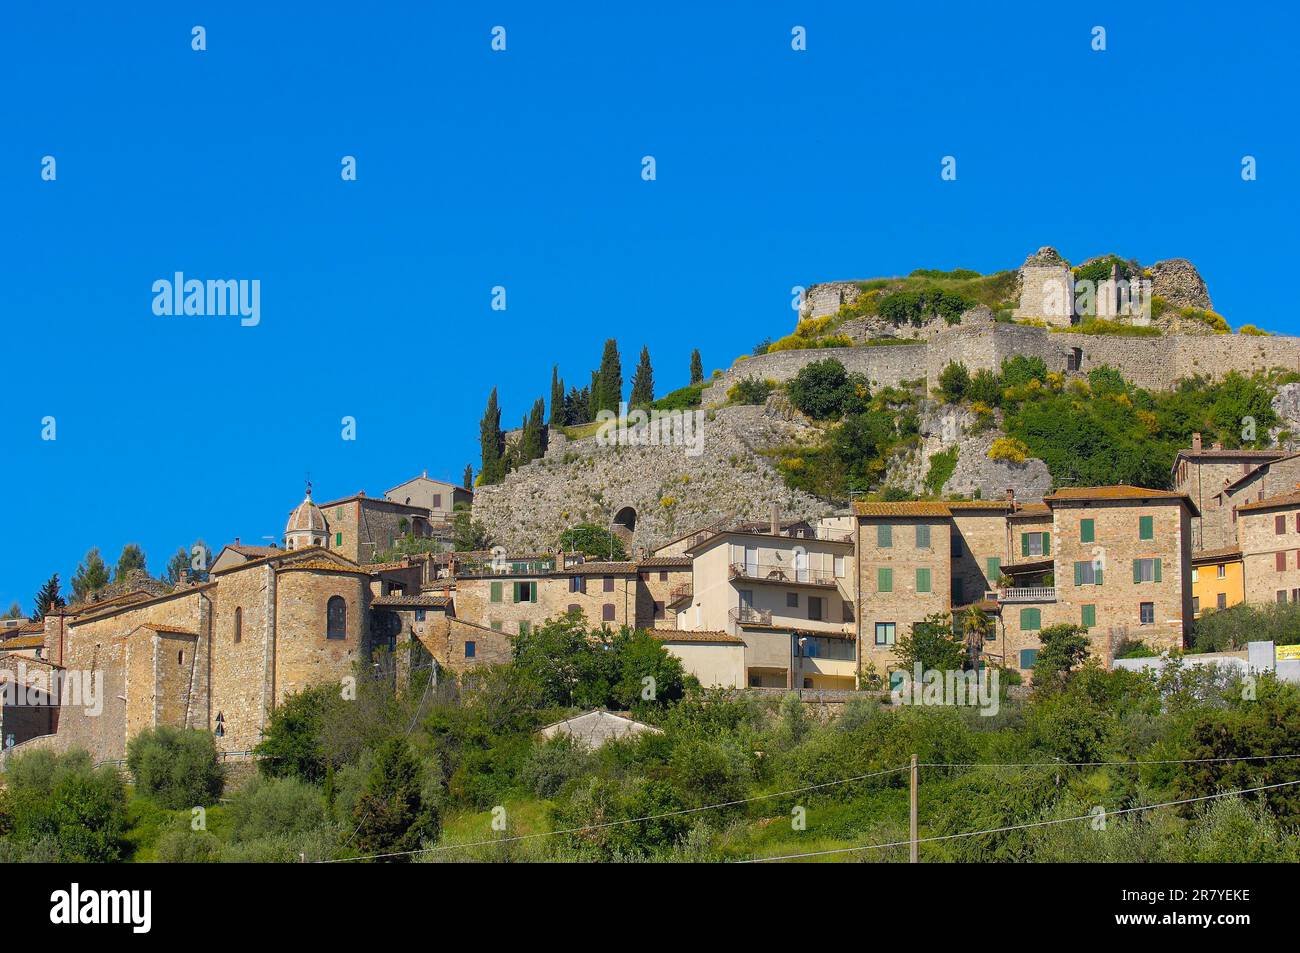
(1016, 827)
(632, 820)
(1088, 764)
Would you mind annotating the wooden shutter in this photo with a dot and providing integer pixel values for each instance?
(1024, 544)
(1087, 531)
(1157, 570)
(1089, 616)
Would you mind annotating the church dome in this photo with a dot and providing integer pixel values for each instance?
(306, 526)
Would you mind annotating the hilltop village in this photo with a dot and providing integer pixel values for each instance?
(752, 597)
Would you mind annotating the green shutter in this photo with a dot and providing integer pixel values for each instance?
(1137, 570)
(884, 580)
(993, 569)
(496, 592)
(884, 535)
(1096, 574)
(1028, 657)
(1078, 574)
(1087, 531)
(515, 591)
(532, 592)
(1030, 620)
(923, 580)
(1157, 570)
(1047, 544)
(1145, 528)
(922, 537)
(338, 539)
(1024, 544)
(1089, 616)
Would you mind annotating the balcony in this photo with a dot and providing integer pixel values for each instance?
(1023, 594)
(771, 572)
(745, 615)
(682, 592)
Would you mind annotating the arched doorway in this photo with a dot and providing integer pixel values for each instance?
(624, 524)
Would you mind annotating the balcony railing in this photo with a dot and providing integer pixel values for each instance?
(746, 615)
(1024, 594)
(680, 592)
(770, 572)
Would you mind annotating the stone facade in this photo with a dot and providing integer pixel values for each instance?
(362, 527)
(1269, 535)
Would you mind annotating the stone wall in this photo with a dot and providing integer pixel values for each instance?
(1156, 363)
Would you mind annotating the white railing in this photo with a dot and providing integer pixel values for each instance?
(1026, 594)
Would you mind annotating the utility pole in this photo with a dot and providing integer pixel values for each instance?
(913, 811)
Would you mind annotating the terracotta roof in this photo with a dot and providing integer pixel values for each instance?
(323, 565)
(375, 499)
(1269, 502)
(454, 484)
(288, 554)
(1211, 453)
(383, 567)
(414, 602)
(978, 505)
(23, 642)
(1069, 494)
(254, 551)
(678, 635)
(1216, 555)
(306, 517)
(168, 629)
(104, 611)
(1031, 511)
(903, 508)
(664, 561)
(1256, 471)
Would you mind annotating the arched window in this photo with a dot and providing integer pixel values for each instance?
(239, 624)
(336, 618)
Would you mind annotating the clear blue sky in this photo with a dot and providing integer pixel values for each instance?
(775, 168)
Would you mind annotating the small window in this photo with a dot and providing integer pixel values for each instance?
(180, 657)
(1196, 605)
(922, 536)
(1279, 524)
(1281, 596)
(815, 608)
(419, 615)
(993, 568)
(1147, 570)
(884, 535)
(884, 580)
(1028, 657)
(885, 633)
(847, 610)
(608, 583)
(607, 612)
(495, 625)
(1222, 570)
(1089, 616)
(839, 567)
(792, 600)
(336, 618)
(338, 539)
(575, 584)
(1035, 544)
(239, 624)
(663, 575)
(923, 580)
(470, 648)
(1221, 600)
(437, 501)
(1147, 612)
(1031, 620)
(1087, 573)
(1087, 531)
(1146, 529)
(1279, 561)
(659, 609)
(496, 592)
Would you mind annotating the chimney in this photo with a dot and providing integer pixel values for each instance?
(236, 540)
(425, 474)
(1216, 446)
(776, 521)
(1196, 443)
(1011, 497)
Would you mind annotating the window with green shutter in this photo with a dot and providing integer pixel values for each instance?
(338, 539)
(515, 591)
(496, 592)
(1087, 531)
(884, 580)
(923, 580)
(884, 535)
(1087, 573)
(1146, 570)
(922, 537)
(1028, 657)
(993, 568)
(1031, 620)
(1146, 529)
(1035, 544)
(1089, 616)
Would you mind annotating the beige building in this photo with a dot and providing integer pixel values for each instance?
(439, 497)
(788, 594)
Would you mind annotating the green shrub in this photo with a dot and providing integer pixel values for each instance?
(942, 466)
(750, 391)
(554, 763)
(824, 389)
(189, 847)
(175, 767)
(58, 807)
(276, 806)
(954, 382)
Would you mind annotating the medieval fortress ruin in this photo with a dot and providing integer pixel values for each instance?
(659, 490)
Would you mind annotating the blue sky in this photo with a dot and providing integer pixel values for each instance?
(775, 168)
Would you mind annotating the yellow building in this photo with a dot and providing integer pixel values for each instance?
(1217, 579)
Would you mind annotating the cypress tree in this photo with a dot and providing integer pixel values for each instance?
(468, 481)
(557, 398)
(491, 443)
(609, 393)
(697, 367)
(643, 381)
(48, 598)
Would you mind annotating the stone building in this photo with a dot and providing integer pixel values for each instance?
(440, 497)
(1046, 289)
(1216, 479)
(1269, 539)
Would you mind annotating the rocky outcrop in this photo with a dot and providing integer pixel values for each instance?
(1286, 404)
(1044, 257)
(669, 490)
(1178, 282)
